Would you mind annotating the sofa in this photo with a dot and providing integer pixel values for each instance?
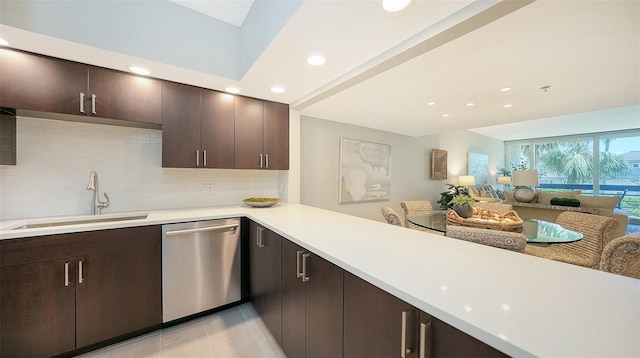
(542, 209)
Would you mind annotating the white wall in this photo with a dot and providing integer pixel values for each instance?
(56, 157)
(410, 164)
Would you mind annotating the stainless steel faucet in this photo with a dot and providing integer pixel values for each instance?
(96, 204)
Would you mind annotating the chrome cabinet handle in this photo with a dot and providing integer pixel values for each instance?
(298, 270)
(80, 278)
(260, 242)
(81, 102)
(403, 340)
(424, 327)
(201, 229)
(93, 104)
(260, 160)
(305, 278)
(204, 154)
(66, 274)
(266, 160)
(197, 157)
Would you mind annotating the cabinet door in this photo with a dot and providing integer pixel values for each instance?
(119, 291)
(38, 309)
(293, 301)
(218, 113)
(443, 340)
(249, 133)
(324, 308)
(8, 137)
(180, 126)
(373, 321)
(276, 135)
(40, 83)
(265, 277)
(124, 96)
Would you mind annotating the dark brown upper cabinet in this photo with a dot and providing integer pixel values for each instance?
(197, 128)
(261, 134)
(43, 84)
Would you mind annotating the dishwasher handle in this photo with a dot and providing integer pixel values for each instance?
(232, 227)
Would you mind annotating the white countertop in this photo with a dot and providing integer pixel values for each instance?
(519, 304)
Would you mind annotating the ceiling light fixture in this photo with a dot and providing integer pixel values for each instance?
(470, 104)
(277, 89)
(232, 89)
(507, 105)
(445, 115)
(505, 89)
(394, 5)
(139, 70)
(315, 59)
(431, 103)
(4, 42)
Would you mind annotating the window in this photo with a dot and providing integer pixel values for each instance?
(597, 164)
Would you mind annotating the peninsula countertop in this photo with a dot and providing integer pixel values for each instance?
(519, 304)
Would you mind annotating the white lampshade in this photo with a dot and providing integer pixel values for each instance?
(525, 177)
(504, 180)
(466, 180)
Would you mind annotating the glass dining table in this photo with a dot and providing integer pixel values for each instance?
(536, 231)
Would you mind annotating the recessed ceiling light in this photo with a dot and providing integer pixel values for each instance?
(4, 42)
(394, 5)
(277, 89)
(315, 59)
(470, 104)
(505, 89)
(507, 105)
(445, 115)
(431, 103)
(232, 89)
(137, 69)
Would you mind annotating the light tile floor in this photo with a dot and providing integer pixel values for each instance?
(237, 332)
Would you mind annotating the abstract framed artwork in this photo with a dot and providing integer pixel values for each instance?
(478, 166)
(438, 164)
(365, 171)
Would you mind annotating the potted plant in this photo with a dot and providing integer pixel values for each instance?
(446, 196)
(463, 205)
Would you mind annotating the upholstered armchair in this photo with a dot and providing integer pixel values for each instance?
(391, 216)
(497, 207)
(622, 256)
(415, 207)
(586, 252)
(502, 239)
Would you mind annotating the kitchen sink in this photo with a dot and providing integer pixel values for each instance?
(78, 221)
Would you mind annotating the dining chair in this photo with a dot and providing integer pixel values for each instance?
(596, 231)
(622, 256)
(414, 207)
(500, 208)
(513, 241)
(391, 216)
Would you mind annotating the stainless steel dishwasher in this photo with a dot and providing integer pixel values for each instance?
(200, 266)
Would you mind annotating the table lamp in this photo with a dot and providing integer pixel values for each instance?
(466, 180)
(523, 179)
(504, 180)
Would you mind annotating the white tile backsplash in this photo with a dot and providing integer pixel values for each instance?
(56, 157)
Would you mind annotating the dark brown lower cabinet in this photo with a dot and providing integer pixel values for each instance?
(63, 292)
(312, 300)
(265, 277)
(378, 324)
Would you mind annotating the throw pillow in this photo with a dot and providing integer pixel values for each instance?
(544, 197)
(508, 196)
(605, 202)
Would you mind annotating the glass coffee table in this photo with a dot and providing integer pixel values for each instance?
(536, 231)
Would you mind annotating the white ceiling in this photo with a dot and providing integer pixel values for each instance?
(230, 11)
(383, 68)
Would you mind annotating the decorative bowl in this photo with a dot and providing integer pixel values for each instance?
(261, 202)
